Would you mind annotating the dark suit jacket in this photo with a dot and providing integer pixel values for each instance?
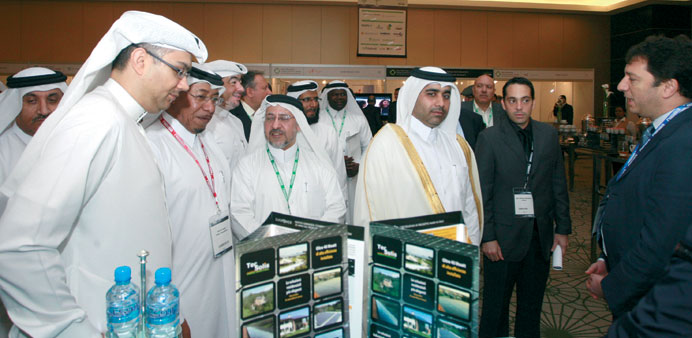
(240, 113)
(472, 124)
(646, 213)
(502, 166)
(666, 308)
(391, 118)
(567, 113)
(372, 114)
(498, 113)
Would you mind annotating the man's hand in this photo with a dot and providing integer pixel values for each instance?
(351, 166)
(597, 271)
(492, 251)
(560, 240)
(186, 329)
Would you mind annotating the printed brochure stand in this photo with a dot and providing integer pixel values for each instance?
(290, 279)
(421, 285)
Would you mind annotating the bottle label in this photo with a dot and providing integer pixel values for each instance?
(160, 316)
(122, 314)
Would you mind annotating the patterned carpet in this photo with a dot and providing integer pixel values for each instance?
(568, 310)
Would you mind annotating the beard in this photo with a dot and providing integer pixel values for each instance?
(314, 119)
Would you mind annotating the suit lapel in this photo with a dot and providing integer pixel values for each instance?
(511, 140)
(539, 141)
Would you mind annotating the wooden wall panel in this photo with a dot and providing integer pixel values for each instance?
(335, 35)
(500, 50)
(277, 35)
(474, 39)
(446, 35)
(419, 41)
(67, 23)
(306, 27)
(550, 45)
(190, 16)
(10, 39)
(37, 31)
(160, 8)
(247, 33)
(218, 31)
(98, 18)
(524, 30)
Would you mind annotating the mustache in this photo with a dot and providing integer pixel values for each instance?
(279, 131)
(40, 117)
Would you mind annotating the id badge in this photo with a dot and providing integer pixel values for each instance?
(523, 203)
(221, 235)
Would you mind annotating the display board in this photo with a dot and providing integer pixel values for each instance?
(381, 32)
(291, 280)
(421, 285)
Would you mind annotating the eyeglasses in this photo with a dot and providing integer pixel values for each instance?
(202, 99)
(181, 73)
(280, 117)
(310, 99)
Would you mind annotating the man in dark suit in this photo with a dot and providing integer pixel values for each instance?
(564, 109)
(665, 309)
(648, 204)
(526, 208)
(480, 112)
(391, 118)
(372, 114)
(256, 89)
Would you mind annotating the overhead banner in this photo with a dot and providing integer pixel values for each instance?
(381, 32)
(469, 73)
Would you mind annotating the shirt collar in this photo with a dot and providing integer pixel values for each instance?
(487, 111)
(250, 112)
(132, 108)
(184, 134)
(283, 156)
(423, 131)
(657, 122)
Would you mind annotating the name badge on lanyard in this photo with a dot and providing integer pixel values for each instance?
(221, 235)
(523, 203)
(523, 199)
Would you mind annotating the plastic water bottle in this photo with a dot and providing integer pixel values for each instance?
(122, 305)
(163, 316)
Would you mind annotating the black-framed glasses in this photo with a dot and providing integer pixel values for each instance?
(181, 73)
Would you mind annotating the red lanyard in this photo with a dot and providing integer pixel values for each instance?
(211, 185)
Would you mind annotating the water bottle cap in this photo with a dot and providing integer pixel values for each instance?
(122, 274)
(162, 276)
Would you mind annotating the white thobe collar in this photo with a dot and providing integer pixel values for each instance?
(424, 132)
(333, 112)
(250, 112)
(283, 156)
(184, 134)
(478, 108)
(132, 108)
(24, 137)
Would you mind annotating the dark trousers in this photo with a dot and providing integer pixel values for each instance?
(499, 278)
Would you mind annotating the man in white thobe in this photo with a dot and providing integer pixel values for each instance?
(341, 112)
(284, 170)
(33, 95)
(197, 176)
(420, 166)
(226, 128)
(306, 92)
(86, 196)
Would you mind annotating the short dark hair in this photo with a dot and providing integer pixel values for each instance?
(667, 58)
(564, 97)
(123, 56)
(521, 81)
(248, 79)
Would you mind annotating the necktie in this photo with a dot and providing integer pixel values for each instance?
(646, 135)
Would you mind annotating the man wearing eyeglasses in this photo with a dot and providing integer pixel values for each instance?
(86, 196)
(197, 178)
(306, 92)
(285, 170)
